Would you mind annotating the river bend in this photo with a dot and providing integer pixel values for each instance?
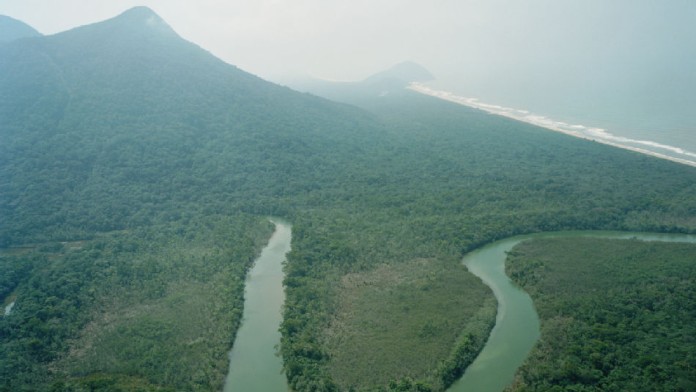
(517, 324)
(254, 365)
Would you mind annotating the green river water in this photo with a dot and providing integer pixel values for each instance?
(254, 365)
(517, 324)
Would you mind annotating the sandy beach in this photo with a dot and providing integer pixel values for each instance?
(581, 131)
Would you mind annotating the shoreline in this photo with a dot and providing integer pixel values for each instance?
(579, 131)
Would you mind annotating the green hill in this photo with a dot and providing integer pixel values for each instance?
(134, 166)
(122, 117)
(12, 29)
(137, 171)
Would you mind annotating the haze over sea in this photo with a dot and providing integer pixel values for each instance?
(620, 72)
(666, 131)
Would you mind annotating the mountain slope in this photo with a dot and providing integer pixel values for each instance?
(137, 171)
(131, 161)
(129, 91)
(405, 73)
(379, 84)
(12, 29)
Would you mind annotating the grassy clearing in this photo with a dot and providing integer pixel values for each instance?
(402, 320)
(182, 337)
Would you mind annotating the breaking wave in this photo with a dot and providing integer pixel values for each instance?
(601, 135)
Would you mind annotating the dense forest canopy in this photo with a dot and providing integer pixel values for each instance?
(137, 171)
(616, 315)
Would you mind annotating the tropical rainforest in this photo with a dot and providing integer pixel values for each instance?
(138, 172)
(616, 315)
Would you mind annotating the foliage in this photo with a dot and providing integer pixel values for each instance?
(616, 315)
(398, 320)
(156, 304)
(163, 160)
(451, 180)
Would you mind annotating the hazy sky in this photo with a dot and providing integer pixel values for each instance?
(531, 54)
(352, 39)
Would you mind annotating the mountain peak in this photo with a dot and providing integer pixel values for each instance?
(141, 12)
(142, 17)
(405, 72)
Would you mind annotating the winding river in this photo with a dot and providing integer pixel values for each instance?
(254, 365)
(517, 324)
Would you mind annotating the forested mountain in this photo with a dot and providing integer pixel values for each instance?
(112, 120)
(394, 79)
(405, 73)
(137, 171)
(12, 29)
(132, 160)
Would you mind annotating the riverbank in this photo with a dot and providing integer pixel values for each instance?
(580, 131)
(254, 365)
(419, 322)
(517, 324)
(614, 314)
(516, 327)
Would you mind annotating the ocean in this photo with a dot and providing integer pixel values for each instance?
(662, 123)
(620, 72)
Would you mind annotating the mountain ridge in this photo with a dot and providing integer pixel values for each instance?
(12, 29)
(95, 84)
(139, 171)
(404, 72)
(138, 19)
(392, 80)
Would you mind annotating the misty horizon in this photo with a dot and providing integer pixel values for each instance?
(623, 66)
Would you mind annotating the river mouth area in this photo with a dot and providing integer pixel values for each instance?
(517, 324)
